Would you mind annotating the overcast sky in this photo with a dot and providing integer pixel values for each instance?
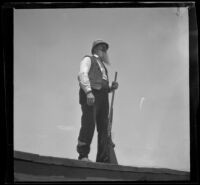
(149, 49)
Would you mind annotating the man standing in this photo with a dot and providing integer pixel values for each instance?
(93, 97)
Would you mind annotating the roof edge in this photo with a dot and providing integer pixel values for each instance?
(96, 165)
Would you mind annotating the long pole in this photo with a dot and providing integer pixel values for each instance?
(111, 108)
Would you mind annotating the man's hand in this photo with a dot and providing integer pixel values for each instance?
(90, 98)
(114, 86)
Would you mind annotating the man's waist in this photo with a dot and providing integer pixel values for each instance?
(100, 84)
(105, 84)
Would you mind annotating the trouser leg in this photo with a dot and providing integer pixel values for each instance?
(102, 128)
(87, 130)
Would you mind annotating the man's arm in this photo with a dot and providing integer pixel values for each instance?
(83, 74)
(84, 79)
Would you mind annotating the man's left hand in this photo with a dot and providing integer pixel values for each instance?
(114, 86)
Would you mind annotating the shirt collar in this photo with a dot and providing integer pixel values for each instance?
(96, 56)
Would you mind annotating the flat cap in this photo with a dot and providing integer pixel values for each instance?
(97, 42)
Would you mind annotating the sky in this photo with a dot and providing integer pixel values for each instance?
(149, 49)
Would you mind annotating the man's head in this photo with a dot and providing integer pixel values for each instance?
(100, 48)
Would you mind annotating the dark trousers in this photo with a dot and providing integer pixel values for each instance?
(96, 114)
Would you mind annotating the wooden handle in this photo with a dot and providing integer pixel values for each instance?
(111, 109)
(113, 93)
(115, 76)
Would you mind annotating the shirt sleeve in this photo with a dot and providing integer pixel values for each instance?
(83, 74)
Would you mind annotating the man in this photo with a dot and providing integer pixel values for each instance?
(93, 97)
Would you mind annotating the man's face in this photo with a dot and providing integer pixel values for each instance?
(101, 50)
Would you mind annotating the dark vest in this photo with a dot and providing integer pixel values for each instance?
(95, 75)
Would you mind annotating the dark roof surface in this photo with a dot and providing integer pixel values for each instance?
(64, 166)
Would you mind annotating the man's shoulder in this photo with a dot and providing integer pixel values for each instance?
(88, 57)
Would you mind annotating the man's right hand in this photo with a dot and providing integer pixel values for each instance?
(90, 98)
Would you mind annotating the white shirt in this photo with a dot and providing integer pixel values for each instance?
(84, 70)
